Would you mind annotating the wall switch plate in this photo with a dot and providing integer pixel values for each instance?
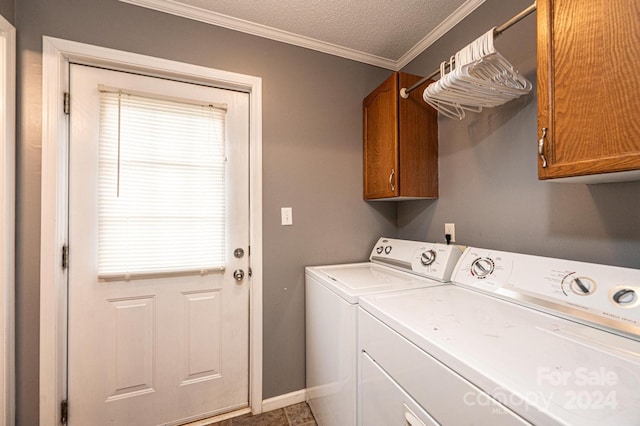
(450, 228)
(286, 214)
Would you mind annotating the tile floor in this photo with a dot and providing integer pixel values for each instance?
(293, 415)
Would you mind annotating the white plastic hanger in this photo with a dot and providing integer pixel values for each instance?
(481, 77)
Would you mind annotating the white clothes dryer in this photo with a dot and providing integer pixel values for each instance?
(331, 299)
(516, 339)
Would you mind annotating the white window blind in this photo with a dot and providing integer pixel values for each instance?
(161, 185)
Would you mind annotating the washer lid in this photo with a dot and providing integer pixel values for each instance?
(351, 281)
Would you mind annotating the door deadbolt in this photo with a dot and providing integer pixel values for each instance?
(238, 253)
(238, 274)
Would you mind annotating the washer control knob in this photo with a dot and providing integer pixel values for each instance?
(428, 257)
(482, 267)
(625, 296)
(387, 249)
(582, 286)
(379, 249)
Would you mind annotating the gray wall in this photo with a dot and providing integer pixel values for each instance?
(312, 141)
(488, 171)
(312, 162)
(7, 10)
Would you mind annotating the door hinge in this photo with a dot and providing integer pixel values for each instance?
(64, 411)
(65, 256)
(67, 103)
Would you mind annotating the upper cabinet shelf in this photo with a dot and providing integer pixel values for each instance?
(588, 90)
(400, 142)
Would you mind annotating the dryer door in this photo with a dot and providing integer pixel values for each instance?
(383, 402)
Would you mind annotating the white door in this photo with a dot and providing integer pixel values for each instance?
(154, 348)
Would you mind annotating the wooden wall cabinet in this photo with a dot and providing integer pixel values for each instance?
(400, 142)
(588, 90)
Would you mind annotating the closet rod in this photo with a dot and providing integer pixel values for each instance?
(498, 31)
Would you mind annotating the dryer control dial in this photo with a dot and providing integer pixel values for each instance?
(625, 297)
(482, 267)
(428, 257)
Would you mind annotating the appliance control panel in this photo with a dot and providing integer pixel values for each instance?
(600, 295)
(431, 260)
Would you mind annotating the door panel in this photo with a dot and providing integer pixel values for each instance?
(164, 349)
(130, 330)
(202, 336)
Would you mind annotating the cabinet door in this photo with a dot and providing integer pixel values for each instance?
(588, 86)
(381, 140)
(418, 142)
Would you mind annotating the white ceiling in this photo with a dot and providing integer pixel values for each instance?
(385, 33)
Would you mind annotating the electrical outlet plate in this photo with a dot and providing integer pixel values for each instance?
(450, 228)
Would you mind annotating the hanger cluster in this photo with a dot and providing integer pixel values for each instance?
(479, 76)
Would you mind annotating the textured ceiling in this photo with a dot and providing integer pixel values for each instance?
(387, 33)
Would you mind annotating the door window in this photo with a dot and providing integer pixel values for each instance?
(161, 185)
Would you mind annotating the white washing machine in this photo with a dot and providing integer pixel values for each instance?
(331, 300)
(515, 340)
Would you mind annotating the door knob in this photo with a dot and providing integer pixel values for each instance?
(238, 274)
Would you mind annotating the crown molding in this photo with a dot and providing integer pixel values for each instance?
(218, 19)
(452, 20)
(229, 22)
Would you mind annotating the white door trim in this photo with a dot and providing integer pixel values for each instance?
(7, 220)
(56, 55)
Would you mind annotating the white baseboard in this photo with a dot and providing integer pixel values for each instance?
(285, 400)
(219, 418)
(270, 404)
